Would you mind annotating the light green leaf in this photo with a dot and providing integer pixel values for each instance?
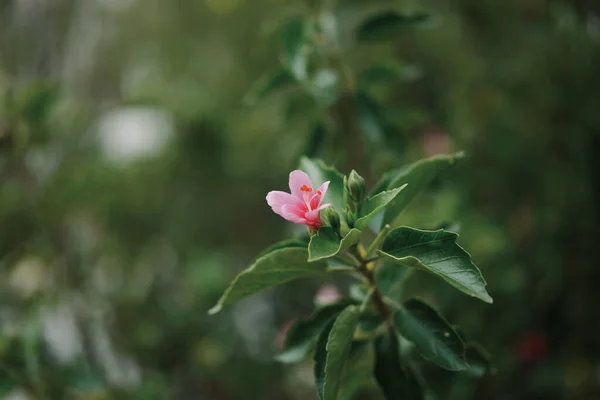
(267, 85)
(332, 350)
(389, 24)
(302, 335)
(274, 268)
(297, 242)
(417, 176)
(319, 173)
(326, 243)
(435, 338)
(438, 253)
(373, 205)
(395, 380)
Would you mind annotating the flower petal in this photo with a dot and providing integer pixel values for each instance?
(316, 199)
(293, 214)
(297, 180)
(277, 199)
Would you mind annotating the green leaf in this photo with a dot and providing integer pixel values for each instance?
(326, 243)
(274, 268)
(380, 73)
(267, 85)
(319, 173)
(297, 242)
(358, 374)
(478, 359)
(315, 139)
(438, 253)
(294, 41)
(302, 335)
(435, 338)
(396, 381)
(373, 205)
(389, 278)
(417, 176)
(333, 347)
(389, 24)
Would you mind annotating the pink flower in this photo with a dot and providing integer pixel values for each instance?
(303, 205)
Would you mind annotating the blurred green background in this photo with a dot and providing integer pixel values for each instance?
(133, 178)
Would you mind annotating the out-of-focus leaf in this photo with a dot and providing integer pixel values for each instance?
(294, 41)
(325, 87)
(332, 350)
(435, 338)
(319, 173)
(272, 269)
(438, 253)
(389, 24)
(326, 243)
(267, 85)
(375, 204)
(478, 359)
(315, 139)
(417, 176)
(302, 335)
(396, 381)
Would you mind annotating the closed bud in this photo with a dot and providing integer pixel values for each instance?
(349, 216)
(355, 187)
(332, 218)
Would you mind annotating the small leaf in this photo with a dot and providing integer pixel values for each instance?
(332, 350)
(267, 85)
(373, 205)
(319, 173)
(297, 242)
(438, 253)
(380, 73)
(274, 268)
(435, 338)
(396, 381)
(417, 176)
(326, 243)
(389, 24)
(302, 335)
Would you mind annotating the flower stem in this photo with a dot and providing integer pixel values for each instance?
(377, 241)
(380, 305)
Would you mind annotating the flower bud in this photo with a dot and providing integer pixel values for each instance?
(354, 186)
(332, 218)
(349, 216)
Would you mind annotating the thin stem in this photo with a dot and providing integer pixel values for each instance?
(380, 305)
(377, 241)
(341, 269)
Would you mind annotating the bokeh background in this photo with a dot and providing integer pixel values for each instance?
(133, 172)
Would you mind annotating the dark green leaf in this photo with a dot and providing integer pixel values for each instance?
(302, 335)
(267, 85)
(435, 338)
(358, 374)
(332, 351)
(438, 253)
(375, 204)
(315, 139)
(390, 277)
(396, 381)
(478, 359)
(389, 24)
(380, 73)
(326, 243)
(319, 173)
(417, 176)
(274, 268)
